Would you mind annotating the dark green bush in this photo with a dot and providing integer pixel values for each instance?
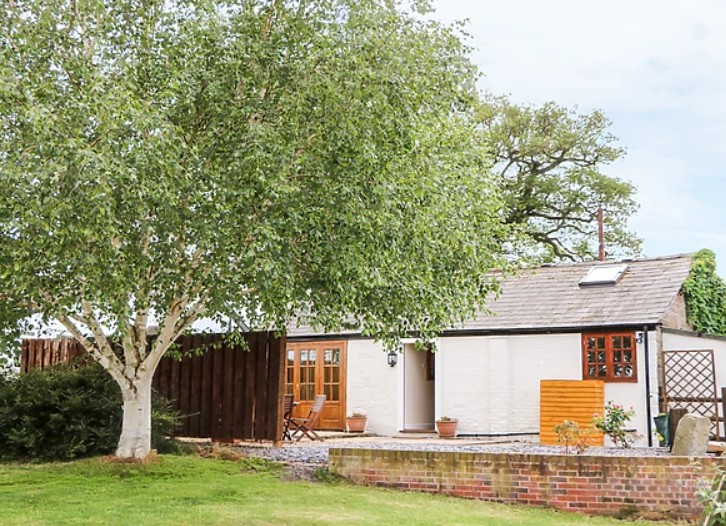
(64, 413)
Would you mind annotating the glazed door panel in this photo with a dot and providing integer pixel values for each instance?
(314, 368)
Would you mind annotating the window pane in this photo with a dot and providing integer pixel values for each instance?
(336, 393)
(328, 392)
(627, 342)
(590, 356)
(328, 375)
(290, 357)
(617, 356)
(628, 356)
(628, 371)
(601, 357)
(591, 371)
(601, 342)
(602, 371)
(617, 342)
(328, 356)
(312, 356)
(303, 357)
(617, 370)
(336, 375)
(590, 343)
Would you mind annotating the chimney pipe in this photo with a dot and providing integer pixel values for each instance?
(601, 233)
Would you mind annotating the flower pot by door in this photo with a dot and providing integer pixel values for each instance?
(356, 425)
(446, 428)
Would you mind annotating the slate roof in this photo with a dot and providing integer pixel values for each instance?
(550, 297)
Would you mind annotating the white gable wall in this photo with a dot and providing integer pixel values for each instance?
(490, 383)
(373, 386)
(693, 342)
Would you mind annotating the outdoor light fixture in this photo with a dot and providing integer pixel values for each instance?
(392, 358)
(639, 337)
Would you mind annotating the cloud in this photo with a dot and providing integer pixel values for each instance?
(655, 67)
(636, 54)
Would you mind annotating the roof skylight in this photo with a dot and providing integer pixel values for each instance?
(604, 275)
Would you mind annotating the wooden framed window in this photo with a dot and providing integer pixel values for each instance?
(610, 357)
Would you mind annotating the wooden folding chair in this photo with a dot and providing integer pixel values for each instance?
(287, 405)
(305, 427)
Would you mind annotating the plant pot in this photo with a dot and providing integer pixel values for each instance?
(356, 424)
(446, 428)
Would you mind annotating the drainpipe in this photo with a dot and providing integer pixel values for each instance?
(649, 416)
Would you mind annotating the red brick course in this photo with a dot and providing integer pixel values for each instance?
(618, 486)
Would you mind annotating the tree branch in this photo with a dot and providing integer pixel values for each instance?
(109, 363)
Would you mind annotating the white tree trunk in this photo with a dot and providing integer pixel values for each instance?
(135, 441)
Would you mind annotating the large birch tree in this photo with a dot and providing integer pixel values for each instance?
(166, 160)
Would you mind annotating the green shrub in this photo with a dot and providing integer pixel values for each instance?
(64, 413)
(613, 423)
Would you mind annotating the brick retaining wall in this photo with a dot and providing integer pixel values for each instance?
(653, 487)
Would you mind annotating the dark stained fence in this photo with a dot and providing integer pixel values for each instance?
(46, 352)
(223, 391)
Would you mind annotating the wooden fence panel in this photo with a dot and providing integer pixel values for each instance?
(225, 393)
(570, 400)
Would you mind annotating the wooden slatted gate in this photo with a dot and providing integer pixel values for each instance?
(690, 383)
(224, 392)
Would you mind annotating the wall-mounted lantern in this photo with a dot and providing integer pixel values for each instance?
(392, 358)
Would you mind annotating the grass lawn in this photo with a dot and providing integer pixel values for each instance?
(188, 490)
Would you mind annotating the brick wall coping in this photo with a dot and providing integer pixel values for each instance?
(623, 486)
(455, 454)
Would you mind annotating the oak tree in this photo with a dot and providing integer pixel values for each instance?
(551, 163)
(165, 160)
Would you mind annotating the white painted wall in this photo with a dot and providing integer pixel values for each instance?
(373, 386)
(682, 342)
(490, 383)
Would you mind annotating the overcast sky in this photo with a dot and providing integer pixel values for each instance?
(657, 69)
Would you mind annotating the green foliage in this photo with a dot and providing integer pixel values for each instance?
(705, 295)
(9, 356)
(613, 423)
(249, 161)
(325, 476)
(297, 155)
(550, 161)
(570, 434)
(714, 498)
(65, 413)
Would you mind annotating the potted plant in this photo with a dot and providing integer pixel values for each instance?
(446, 427)
(356, 422)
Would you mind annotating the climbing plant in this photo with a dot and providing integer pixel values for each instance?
(705, 293)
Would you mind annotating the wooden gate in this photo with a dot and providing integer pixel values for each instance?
(690, 383)
(224, 392)
(314, 368)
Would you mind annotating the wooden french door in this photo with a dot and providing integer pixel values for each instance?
(314, 368)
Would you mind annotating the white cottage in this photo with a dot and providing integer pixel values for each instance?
(610, 321)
